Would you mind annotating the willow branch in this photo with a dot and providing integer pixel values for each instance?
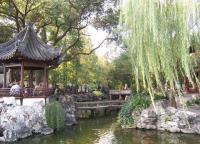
(86, 53)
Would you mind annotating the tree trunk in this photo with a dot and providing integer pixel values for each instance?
(172, 98)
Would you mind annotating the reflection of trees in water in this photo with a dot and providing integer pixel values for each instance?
(94, 131)
(130, 136)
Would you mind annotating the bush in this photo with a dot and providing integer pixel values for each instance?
(136, 102)
(197, 101)
(190, 103)
(55, 115)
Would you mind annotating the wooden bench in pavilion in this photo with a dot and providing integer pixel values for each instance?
(27, 53)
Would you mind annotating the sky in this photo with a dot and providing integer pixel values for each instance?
(107, 50)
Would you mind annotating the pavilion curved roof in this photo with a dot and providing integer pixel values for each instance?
(28, 44)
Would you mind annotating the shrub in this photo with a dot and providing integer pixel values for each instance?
(190, 103)
(197, 101)
(55, 115)
(136, 102)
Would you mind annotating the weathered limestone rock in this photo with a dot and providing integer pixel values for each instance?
(17, 122)
(9, 100)
(1, 100)
(10, 135)
(1, 131)
(167, 118)
(147, 119)
(23, 132)
(69, 108)
(46, 131)
(136, 116)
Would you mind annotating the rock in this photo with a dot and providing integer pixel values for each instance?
(23, 132)
(10, 135)
(188, 131)
(171, 110)
(147, 119)
(136, 116)
(167, 119)
(2, 139)
(1, 100)
(37, 128)
(19, 122)
(46, 131)
(197, 128)
(1, 131)
(69, 108)
(172, 126)
(148, 113)
(9, 101)
(160, 106)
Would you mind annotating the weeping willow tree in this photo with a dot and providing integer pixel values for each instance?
(158, 35)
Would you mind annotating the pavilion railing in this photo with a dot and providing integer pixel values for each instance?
(27, 92)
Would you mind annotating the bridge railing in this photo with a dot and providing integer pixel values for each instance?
(120, 92)
(27, 92)
(99, 104)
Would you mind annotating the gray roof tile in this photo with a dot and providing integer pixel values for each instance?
(29, 45)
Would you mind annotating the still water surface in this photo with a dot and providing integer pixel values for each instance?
(106, 131)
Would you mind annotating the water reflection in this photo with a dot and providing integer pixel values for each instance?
(105, 131)
(106, 138)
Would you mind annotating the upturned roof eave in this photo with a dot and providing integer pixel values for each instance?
(30, 46)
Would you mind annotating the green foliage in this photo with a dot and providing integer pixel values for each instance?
(121, 73)
(197, 101)
(55, 115)
(189, 103)
(5, 34)
(58, 21)
(97, 93)
(84, 70)
(136, 102)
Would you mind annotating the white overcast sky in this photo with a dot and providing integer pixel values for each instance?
(107, 50)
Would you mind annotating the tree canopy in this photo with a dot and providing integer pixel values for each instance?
(59, 22)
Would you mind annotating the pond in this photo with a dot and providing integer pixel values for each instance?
(106, 131)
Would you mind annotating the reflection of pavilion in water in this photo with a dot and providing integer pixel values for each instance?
(22, 58)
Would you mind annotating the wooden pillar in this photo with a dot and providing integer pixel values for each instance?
(11, 75)
(47, 76)
(31, 79)
(22, 76)
(21, 101)
(4, 76)
(186, 85)
(45, 79)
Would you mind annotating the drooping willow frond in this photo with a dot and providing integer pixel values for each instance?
(158, 35)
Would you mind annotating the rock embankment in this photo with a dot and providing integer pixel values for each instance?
(167, 118)
(17, 122)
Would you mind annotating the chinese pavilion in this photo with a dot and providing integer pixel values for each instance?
(23, 55)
